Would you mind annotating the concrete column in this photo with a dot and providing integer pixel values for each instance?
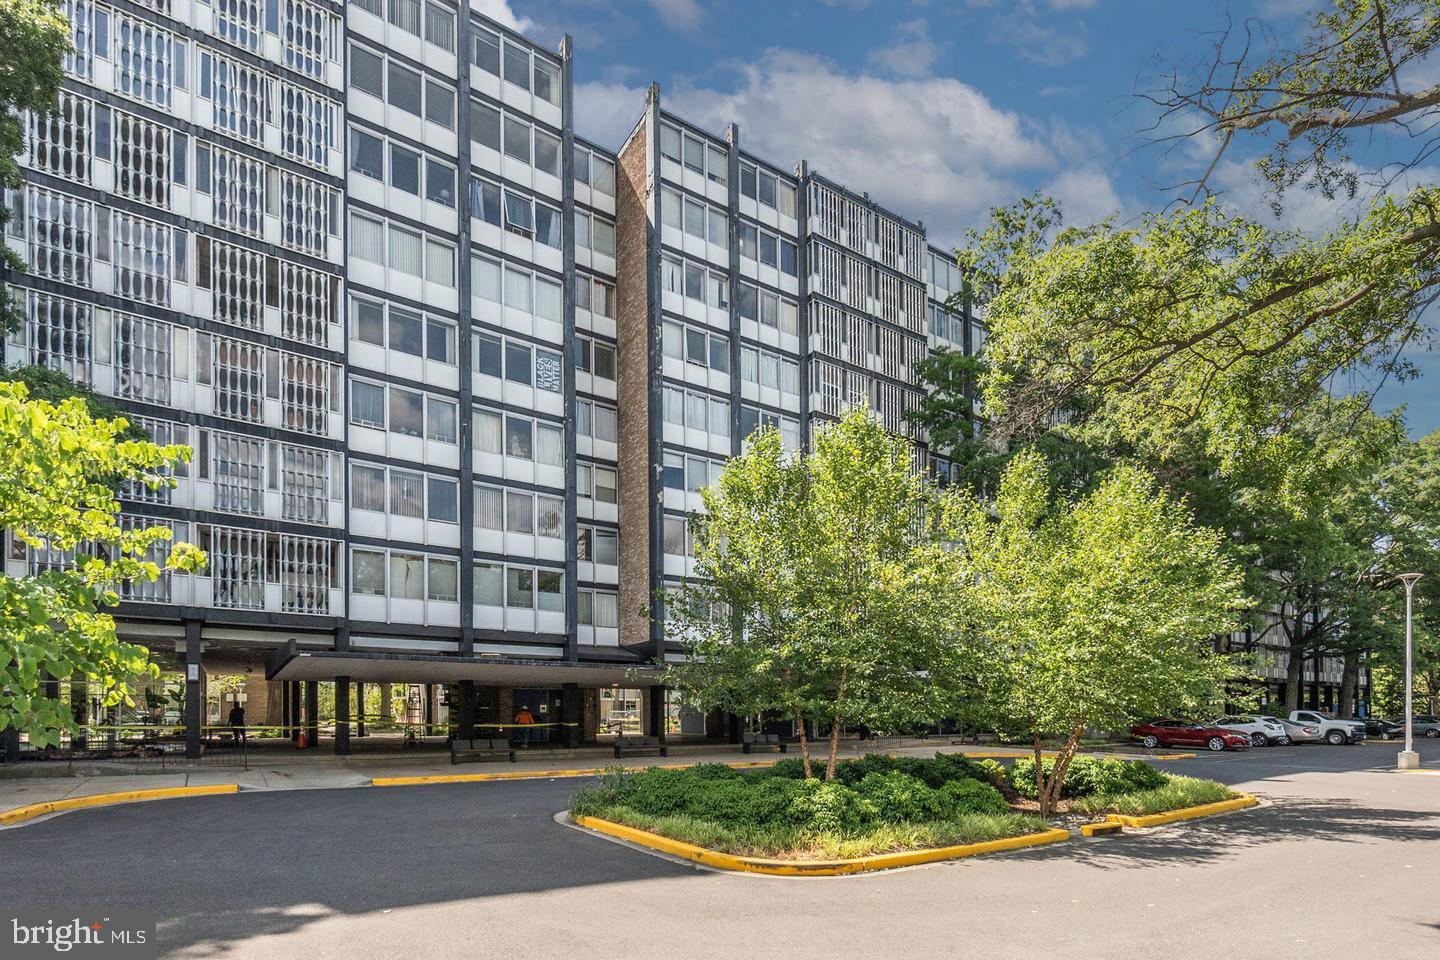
(466, 721)
(284, 708)
(655, 718)
(342, 716)
(312, 713)
(194, 690)
(359, 708)
(571, 705)
(80, 710)
(293, 721)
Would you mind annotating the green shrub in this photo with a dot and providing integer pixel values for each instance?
(992, 771)
(898, 797)
(1174, 793)
(830, 808)
(1088, 776)
(965, 797)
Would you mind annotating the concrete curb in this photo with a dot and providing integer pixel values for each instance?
(543, 774)
(812, 868)
(1242, 802)
(30, 812)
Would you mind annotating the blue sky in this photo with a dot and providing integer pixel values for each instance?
(939, 109)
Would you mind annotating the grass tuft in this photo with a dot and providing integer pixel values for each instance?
(1177, 793)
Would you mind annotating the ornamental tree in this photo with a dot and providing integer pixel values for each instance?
(823, 587)
(1098, 614)
(58, 482)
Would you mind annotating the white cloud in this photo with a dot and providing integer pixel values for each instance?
(932, 149)
(683, 16)
(500, 12)
(1071, 4)
(912, 54)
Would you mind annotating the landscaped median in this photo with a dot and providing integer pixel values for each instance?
(879, 812)
(31, 811)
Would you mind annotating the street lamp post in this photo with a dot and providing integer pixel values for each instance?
(1408, 758)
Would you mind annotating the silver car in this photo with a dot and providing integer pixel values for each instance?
(1301, 732)
(1262, 731)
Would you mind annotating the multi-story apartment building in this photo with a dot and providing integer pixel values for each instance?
(454, 377)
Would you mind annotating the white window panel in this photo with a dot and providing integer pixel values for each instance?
(242, 97)
(143, 58)
(142, 358)
(310, 37)
(61, 335)
(239, 22)
(143, 159)
(58, 229)
(62, 142)
(142, 253)
(307, 125)
(157, 590)
(237, 281)
(239, 378)
(164, 433)
(239, 191)
(305, 213)
(237, 567)
(306, 394)
(237, 466)
(305, 574)
(307, 304)
(80, 60)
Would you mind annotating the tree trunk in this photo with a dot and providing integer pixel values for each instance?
(1294, 675)
(834, 747)
(1040, 778)
(1053, 785)
(1349, 684)
(804, 748)
(385, 710)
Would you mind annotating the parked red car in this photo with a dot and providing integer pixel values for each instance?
(1180, 733)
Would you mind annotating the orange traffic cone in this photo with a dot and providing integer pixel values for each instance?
(300, 744)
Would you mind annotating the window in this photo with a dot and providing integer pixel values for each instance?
(489, 355)
(367, 404)
(519, 512)
(367, 154)
(549, 516)
(519, 438)
(485, 125)
(405, 14)
(517, 65)
(550, 590)
(367, 572)
(547, 81)
(440, 26)
(518, 362)
(549, 445)
(717, 165)
(519, 214)
(407, 412)
(694, 153)
(443, 582)
(403, 88)
(439, 182)
(367, 487)
(520, 586)
(440, 420)
(747, 180)
(439, 104)
(407, 576)
(487, 50)
(442, 500)
(367, 71)
(485, 201)
(488, 432)
(547, 153)
(489, 509)
(440, 341)
(547, 225)
(669, 142)
(407, 494)
(404, 169)
(489, 580)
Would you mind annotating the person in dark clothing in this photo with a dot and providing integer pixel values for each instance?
(237, 723)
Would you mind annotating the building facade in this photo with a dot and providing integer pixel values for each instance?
(453, 376)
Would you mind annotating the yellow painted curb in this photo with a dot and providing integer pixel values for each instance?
(1027, 754)
(541, 774)
(21, 814)
(1185, 813)
(1099, 829)
(813, 868)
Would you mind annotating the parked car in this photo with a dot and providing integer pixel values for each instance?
(1262, 731)
(1333, 729)
(1384, 729)
(1182, 733)
(1426, 725)
(1301, 732)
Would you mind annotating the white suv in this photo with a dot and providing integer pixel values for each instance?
(1262, 731)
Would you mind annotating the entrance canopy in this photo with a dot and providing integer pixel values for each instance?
(291, 664)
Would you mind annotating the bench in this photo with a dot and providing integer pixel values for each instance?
(639, 746)
(481, 749)
(765, 741)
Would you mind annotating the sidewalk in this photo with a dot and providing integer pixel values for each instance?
(310, 772)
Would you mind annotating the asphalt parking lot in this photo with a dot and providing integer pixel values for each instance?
(1341, 859)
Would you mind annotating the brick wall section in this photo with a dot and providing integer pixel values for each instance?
(633, 328)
